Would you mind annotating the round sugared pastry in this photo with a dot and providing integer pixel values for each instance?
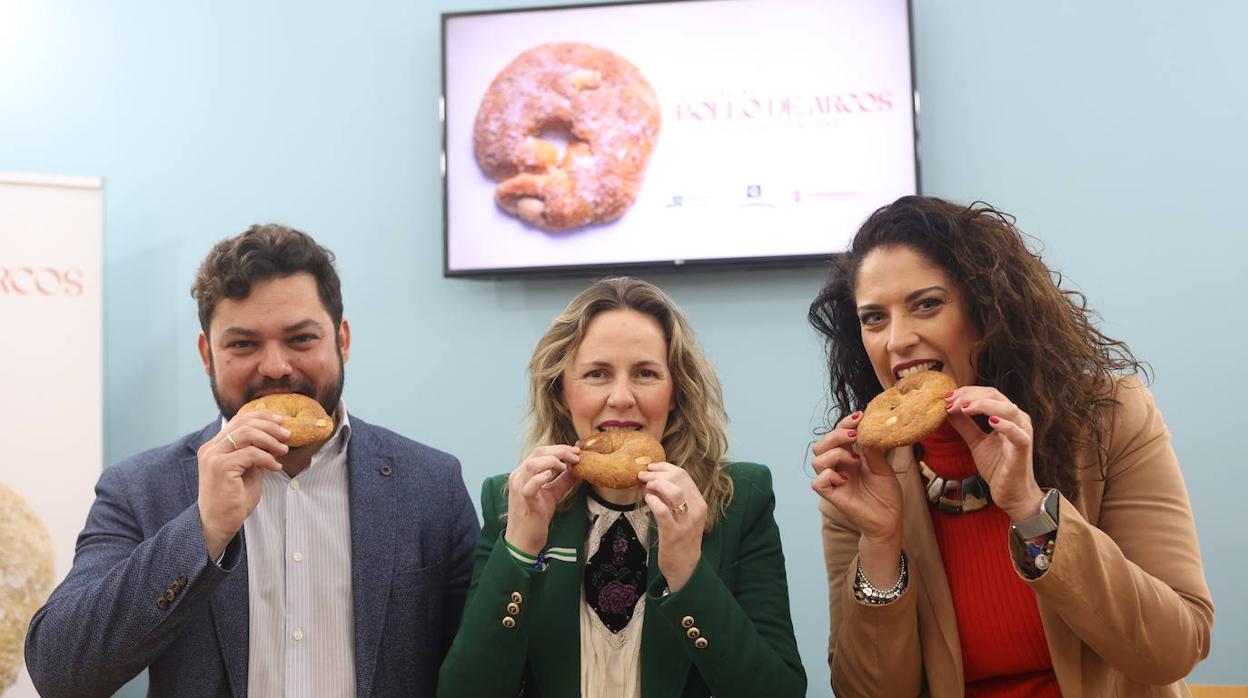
(26, 576)
(599, 102)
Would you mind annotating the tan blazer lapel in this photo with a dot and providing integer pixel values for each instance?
(1065, 647)
(937, 622)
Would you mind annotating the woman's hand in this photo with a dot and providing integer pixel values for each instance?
(1003, 455)
(863, 488)
(680, 512)
(866, 491)
(534, 488)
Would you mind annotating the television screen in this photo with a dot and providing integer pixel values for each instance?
(659, 134)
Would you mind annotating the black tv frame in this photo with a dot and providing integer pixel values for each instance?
(609, 268)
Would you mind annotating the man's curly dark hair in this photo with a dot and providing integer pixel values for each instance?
(262, 253)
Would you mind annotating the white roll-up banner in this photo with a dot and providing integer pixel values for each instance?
(51, 411)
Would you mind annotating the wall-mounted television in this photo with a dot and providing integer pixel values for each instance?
(666, 134)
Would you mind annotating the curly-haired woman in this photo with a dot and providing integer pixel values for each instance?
(1041, 543)
(675, 587)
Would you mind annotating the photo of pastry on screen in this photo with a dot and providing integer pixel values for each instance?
(600, 118)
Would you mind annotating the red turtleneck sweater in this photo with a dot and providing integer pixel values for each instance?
(1004, 652)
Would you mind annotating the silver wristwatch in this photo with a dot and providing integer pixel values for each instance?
(1044, 522)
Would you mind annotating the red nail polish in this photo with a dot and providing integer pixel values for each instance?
(994, 420)
(856, 415)
(966, 405)
(855, 455)
(948, 394)
(851, 433)
(949, 407)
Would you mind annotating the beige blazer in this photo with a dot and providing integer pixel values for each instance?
(1125, 605)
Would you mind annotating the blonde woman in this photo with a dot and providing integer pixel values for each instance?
(672, 588)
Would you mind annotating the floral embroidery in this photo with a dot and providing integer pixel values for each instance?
(615, 574)
(617, 598)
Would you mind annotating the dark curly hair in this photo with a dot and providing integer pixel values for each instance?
(1039, 342)
(261, 253)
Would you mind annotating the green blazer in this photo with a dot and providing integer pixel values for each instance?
(521, 627)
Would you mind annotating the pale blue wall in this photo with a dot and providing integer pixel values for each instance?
(1115, 134)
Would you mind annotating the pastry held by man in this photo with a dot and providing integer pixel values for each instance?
(597, 102)
(906, 413)
(613, 458)
(303, 416)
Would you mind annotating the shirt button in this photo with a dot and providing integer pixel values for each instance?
(294, 484)
(298, 635)
(687, 622)
(513, 608)
(693, 633)
(509, 622)
(298, 557)
(701, 643)
(516, 597)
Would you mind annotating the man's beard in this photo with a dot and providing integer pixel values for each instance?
(328, 397)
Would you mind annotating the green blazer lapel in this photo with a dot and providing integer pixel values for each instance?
(555, 641)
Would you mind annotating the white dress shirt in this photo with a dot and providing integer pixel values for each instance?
(301, 639)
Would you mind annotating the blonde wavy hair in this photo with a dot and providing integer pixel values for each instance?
(696, 434)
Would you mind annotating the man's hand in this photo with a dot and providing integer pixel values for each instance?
(230, 468)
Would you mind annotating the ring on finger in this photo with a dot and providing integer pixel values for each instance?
(681, 508)
(230, 438)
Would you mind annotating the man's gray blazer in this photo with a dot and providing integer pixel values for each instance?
(143, 594)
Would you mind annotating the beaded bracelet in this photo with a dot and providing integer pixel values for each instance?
(538, 563)
(864, 592)
(543, 558)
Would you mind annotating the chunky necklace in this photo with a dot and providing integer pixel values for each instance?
(953, 496)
